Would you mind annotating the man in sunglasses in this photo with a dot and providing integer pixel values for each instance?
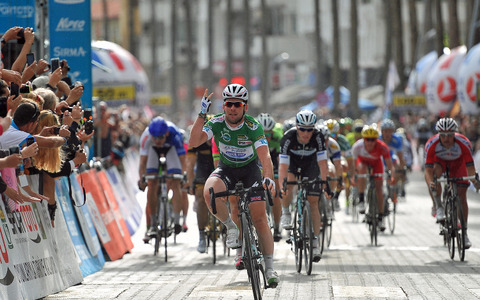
(368, 152)
(241, 142)
(161, 138)
(448, 148)
(303, 147)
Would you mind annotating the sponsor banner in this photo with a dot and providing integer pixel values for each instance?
(88, 264)
(17, 13)
(86, 223)
(113, 204)
(131, 210)
(36, 259)
(106, 221)
(409, 102)
(70, 39)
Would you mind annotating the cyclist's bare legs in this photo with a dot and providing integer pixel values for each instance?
(152, 200)
(259, 220)
(317, 222)
(277, 206)
(462, 194)
(221, 204)
(174, 185)
(379, 193)
(361, 182)
(184, 208)
(202, 210)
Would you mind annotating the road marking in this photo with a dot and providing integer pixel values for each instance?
(368, 292)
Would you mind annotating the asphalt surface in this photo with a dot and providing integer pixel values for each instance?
(412, 263)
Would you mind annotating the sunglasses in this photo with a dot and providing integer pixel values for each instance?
(446, 134)
(160, 137)
(305, 129)
(236, 104)
(370, 139)
(36, 114)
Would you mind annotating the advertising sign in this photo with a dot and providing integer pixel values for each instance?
(17, 13)
(70, 39)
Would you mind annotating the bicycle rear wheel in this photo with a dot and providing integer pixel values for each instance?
(251, 263)
(330, 216)
(308, 237)
(323, 216)
(297, 242)
(460, 231)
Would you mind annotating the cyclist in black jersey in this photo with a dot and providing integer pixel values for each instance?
(199, 167)
(303, 146)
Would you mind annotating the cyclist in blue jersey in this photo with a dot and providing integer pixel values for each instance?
(161, 138)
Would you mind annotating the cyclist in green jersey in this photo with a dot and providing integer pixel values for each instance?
(273, 133)
(242, 144)
(356, 134)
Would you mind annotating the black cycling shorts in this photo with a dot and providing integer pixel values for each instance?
(250, 175)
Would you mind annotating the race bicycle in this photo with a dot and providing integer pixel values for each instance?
(454, 226)
(252, 256)
(302, 236)
(372, 211)
(165, 223)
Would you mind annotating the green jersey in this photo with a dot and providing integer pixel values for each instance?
(237, 145)
(277, 134)
(344, 145)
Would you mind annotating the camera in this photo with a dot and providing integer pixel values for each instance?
(56, 130)
(88, 120)
(30, 140)
(63, 109)
(88, 126)
(3, 107)
(14, 89)
(25, 89)
(55, 63)
(21, 36)
(30, 58)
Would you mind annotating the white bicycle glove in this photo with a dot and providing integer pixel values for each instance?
(267, 181)
(205, 105)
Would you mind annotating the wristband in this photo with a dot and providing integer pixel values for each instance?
(202, 115)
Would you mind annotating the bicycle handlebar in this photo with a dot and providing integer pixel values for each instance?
(168, 176)
(238, 191)
(454, 179)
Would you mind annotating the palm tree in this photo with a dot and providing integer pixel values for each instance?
(412, 12)
(173, 56)
(354, 62)
(265, 59)
(229, 40)
(453, 27)
(318, 45)
(336, 58)
(439, 27)
(397, 39)
(246, 44)
(191, 62)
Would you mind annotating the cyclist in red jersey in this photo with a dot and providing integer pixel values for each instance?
(448, 148)
(369, 151)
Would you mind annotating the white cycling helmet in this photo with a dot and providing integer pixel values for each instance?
(266, 120)
(446, 124)
(235, 91)
(387, 124)
(324, 131)
(332, 125)
(306, 118)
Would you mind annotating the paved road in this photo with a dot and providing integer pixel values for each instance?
(411, 264)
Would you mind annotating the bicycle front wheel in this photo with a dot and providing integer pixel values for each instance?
(372, 210)
(451, 223)
(460, 230)
(323, 217)
(391, 213)
(308, 237)
(330, 216)
(251, 263)
(297, 245)
(214, 238)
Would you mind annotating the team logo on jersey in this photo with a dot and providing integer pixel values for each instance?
(243, 140)
(226, 137)
(250, 124)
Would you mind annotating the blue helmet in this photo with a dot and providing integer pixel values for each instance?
(158, 127)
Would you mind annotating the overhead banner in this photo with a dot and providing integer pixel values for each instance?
(70, 39)
(17, 13)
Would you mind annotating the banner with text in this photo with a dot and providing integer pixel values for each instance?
(17, 13)
(70, 39)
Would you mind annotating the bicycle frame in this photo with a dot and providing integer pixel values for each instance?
(453, 214)
(165, 228)
(253, 258)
